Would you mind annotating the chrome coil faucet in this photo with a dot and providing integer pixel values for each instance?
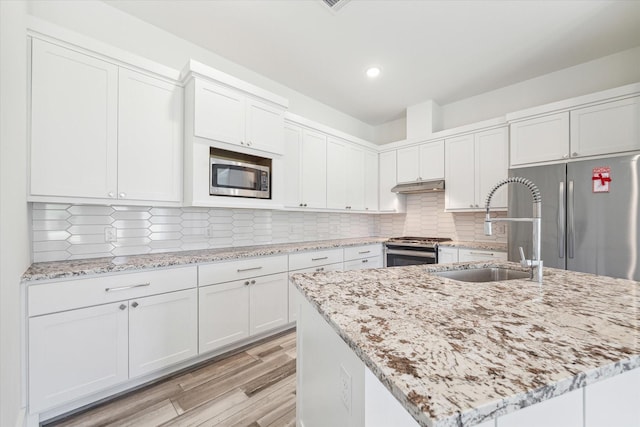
(535, 263)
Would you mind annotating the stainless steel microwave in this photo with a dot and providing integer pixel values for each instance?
(240, 179)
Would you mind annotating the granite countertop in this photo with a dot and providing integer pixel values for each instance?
(83, 267)
(456, 353)
(487, 246)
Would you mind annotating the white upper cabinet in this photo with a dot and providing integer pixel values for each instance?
(149, 128)
(586, 126)
(305, 168)
(74, 119)
(421, 163)
(233, 117)
(370, 181)
(346, 185)
(612, 127)
(314, 169)
(99, 131)
(475, 163)
(387, 179)
(540, 139)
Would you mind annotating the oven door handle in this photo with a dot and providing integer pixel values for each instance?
(421, 254)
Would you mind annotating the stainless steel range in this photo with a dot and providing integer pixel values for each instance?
(412, 250)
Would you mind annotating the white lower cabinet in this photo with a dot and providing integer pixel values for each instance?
(75, 353)
(235, 302)
(162, 331)
(224, 314)
(614, 401)
(268, 303)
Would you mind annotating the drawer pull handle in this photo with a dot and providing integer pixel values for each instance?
(365, 260)
(482, 253)
(246, 283)
(240, 270)
(319, 269)
(253, 282)
(122, 288)
(122, 307)
(319, 259)
(134, 304)
(364, 252)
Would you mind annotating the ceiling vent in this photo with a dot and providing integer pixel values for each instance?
(334, 5)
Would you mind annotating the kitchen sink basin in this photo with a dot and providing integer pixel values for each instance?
(495, 274)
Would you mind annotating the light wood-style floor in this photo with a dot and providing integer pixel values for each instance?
(255, 387)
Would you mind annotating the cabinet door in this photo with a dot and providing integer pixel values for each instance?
(355, 183)
(491, 165)
(265, 126)
(219, 113)
(389, 201)
(460, 173)
(370, 181)
(75, 353)
(292, 165)
(432, 160)
(337, 175)
(563, 411)
(149, 138)
(268, 303)
(314, 169)
(540, 139)
(408, 164)
(74, 113)
(224, 314)
(606, 128)
(447, 255)
(162, 330)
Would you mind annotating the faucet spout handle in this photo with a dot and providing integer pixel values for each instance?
(523, 260)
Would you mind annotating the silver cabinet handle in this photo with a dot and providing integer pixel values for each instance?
(240, 270)
(560, 220)
(319, 259)
(134, 304)
(111, 194)
(566, 156)
(364, 252)
(253, 282)
(365, 260)
(481, 253)
(123, 195)
(571, 237)
(122, 307)
(319, 269)
(246, 283)
(122, 288)
(574, 154)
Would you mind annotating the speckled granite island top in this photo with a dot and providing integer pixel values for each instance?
(84, 267)
(456, 353)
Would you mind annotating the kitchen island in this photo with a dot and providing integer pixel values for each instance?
(451, 353)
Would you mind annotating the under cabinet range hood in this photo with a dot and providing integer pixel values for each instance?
(420, 187)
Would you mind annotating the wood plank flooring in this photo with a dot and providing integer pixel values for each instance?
(255, 387)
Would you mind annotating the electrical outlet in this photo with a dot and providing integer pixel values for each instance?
(209, 232)
(345, 388)
(500, 228)
(110, 234)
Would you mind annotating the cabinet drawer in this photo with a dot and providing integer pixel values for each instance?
(311, 259)
(364, 251)
(59, 296)
(363, 264)
(480, 255)
(237, 270)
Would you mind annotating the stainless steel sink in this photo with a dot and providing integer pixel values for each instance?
(495, 274)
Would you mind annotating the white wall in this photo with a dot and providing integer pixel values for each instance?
(604, 73)
(98, 20)
(14, 231)
(395, 130)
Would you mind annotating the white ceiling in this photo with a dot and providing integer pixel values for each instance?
(427, 49)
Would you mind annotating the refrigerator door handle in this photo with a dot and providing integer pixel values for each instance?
(571, 237)
(560, 220)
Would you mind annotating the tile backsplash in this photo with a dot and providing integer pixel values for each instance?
(64, 231)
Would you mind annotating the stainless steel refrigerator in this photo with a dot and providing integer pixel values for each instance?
(584, 228)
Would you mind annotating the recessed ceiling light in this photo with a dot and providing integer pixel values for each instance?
(373, 72)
